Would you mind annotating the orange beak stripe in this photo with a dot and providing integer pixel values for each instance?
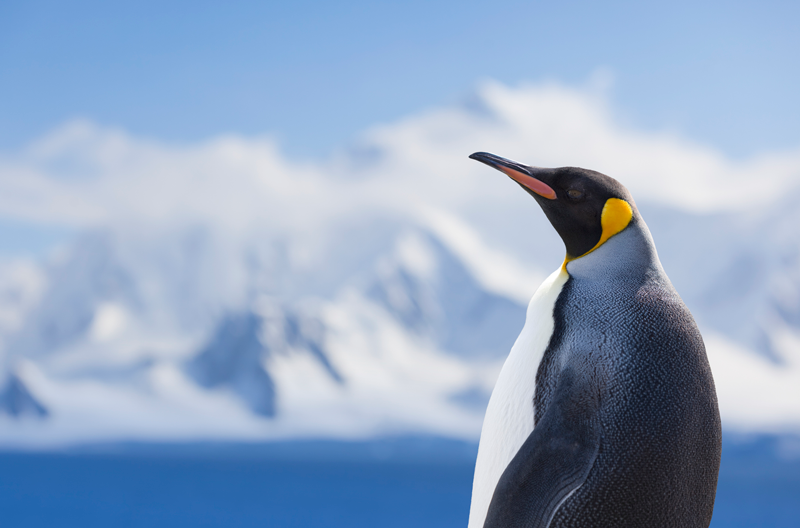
(537, 186)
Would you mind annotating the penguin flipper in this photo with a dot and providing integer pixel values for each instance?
(555, 459)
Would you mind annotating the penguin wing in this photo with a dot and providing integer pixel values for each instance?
(555, 459)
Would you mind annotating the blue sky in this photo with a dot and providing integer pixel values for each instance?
(314, 74)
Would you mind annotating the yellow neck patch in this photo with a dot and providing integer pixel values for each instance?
(615, 217)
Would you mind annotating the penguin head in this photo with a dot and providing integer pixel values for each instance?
(585, 207)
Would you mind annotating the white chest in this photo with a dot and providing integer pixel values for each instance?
(509, 416)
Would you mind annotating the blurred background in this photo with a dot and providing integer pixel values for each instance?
(249, 277)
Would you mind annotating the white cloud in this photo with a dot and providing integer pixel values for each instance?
(84, 174)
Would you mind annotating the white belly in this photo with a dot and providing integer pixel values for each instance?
(509, 416)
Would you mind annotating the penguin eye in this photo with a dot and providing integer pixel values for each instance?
(574, 194)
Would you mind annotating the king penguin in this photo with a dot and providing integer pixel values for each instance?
(604, 413)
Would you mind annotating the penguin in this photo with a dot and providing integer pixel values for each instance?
(604, 413)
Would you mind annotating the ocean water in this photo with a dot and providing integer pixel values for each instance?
(386, 483)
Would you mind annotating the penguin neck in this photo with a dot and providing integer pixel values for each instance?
(628, 254)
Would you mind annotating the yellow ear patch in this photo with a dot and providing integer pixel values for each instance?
(615, 217)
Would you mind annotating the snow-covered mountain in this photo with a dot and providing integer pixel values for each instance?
(409, 343)
(120, 347)
(221, 292)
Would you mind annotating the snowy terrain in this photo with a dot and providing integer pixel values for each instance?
(220, 291)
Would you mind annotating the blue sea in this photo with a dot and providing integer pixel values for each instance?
(385, 483)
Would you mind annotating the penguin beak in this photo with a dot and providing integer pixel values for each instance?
(518, 172)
